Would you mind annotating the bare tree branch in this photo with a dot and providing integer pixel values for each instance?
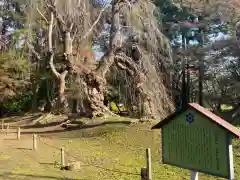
(94, 24)
(60, 21)
(30, 47)
(50, 29)
(53, 67)
(50, 49)
(41, 14)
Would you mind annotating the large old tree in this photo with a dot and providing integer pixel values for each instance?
(134, 66)
(47, 60)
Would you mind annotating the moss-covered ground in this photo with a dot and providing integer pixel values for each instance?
(111, 151)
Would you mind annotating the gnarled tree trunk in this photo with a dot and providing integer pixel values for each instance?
(93, 80)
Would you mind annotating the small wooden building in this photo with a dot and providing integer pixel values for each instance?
(196, 139)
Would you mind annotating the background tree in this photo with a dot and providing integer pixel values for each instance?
(221, 19)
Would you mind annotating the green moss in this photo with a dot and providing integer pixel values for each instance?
(119, 153)
(225, 107)
(105, 152)
(114, 107)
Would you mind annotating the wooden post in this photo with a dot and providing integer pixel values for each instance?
(62, 157)
(149, 164)
(18, 133)
(7, 128)
(143, 173)
(232, 176)
(34, 142)
(194, 175)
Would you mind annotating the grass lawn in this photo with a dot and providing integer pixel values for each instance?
(110, 151)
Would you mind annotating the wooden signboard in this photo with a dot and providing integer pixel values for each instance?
(198, 140)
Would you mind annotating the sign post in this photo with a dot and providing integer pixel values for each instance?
(194, 175)
(198, 140)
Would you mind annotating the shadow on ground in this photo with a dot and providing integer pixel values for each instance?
(113, 170)
(77, 127)
(24, 148)
(14, 176)
(43, 125)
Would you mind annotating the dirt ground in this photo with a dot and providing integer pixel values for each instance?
(19, 161)
(88, 145)
(112, 150)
